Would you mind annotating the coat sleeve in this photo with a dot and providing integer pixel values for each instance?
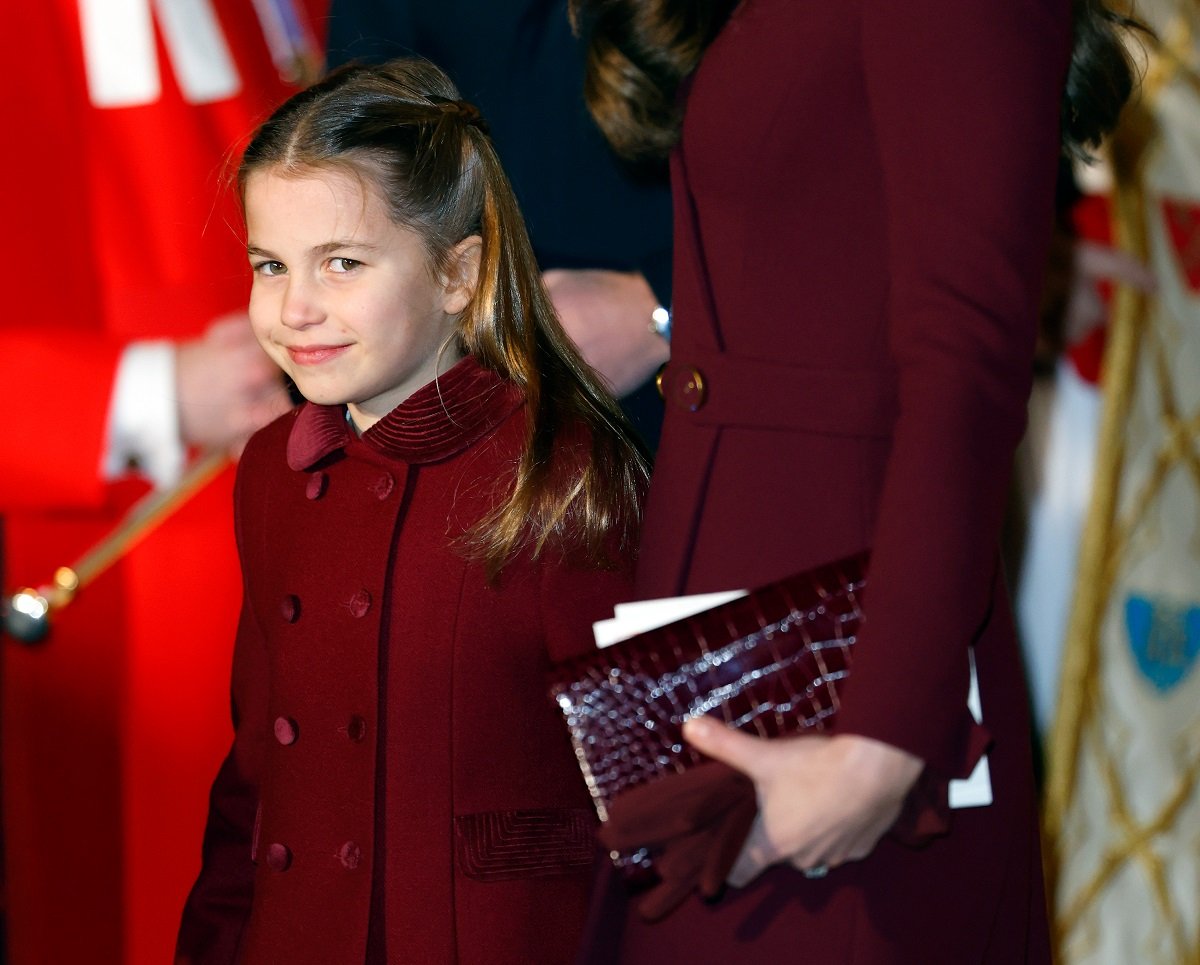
(219, 904)
(964, 102)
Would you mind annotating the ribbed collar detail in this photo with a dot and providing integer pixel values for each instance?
(439, 420)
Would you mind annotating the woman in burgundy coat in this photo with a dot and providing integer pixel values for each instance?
(440, 521)
(863, 199)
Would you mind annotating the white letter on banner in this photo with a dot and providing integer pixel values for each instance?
(121, 59)
(118, 52)
(199, 53)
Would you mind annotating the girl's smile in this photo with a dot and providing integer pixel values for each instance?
(314, 354)
(345, 300)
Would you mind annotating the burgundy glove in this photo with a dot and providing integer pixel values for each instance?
(925, 814)
(694, 825)
(926, 811)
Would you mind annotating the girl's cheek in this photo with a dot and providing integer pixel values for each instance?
(259, 326)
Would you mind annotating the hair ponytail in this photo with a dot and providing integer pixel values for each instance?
(579, 491)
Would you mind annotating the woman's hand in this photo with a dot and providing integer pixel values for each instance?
(822, 800)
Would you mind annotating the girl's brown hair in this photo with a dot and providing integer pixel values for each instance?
(403, 128)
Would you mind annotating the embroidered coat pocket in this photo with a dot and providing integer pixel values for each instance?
(502, 845)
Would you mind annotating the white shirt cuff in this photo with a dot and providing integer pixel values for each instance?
(143, 420)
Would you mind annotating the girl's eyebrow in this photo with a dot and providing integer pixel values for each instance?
(342, 244)
(323, 249)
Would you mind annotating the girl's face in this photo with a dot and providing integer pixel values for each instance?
(344, 300)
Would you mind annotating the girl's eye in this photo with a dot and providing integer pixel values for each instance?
(342, 265)
(270, 268)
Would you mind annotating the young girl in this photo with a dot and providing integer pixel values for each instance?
(450, 510)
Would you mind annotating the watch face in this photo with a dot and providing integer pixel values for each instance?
(660, 321)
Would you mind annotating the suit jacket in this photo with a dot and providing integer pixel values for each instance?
(399, 777)
(864, 193)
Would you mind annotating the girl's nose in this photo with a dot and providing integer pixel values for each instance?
(301, 308)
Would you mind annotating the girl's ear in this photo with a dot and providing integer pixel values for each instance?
(461, 274)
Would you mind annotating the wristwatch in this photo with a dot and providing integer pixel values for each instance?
(660, 322)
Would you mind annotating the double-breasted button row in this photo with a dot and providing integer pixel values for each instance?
(382, 485)
(279, 856)
(287, 731)
(358, 603)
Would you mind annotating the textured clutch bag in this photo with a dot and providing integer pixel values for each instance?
(769, 663)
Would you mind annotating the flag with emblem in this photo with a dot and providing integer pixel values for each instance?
(1123, 799)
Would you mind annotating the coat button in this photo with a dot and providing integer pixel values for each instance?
(383, 486)
(279, 857)
(286, 730)
(350, 854)
(683, 386)
(360, 603)
(289, 608)
(316, 485)
(356, 728)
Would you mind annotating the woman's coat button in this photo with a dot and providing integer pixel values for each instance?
(683, 386)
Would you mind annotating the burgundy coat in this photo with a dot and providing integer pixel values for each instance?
(398, 767)
(863, 203)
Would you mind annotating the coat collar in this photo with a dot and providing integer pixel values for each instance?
(439, 420)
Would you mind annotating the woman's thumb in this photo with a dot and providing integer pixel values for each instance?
(725, 744)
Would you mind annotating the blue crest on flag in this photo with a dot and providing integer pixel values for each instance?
(1165, 637)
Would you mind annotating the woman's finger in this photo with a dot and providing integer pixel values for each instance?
(727, 745)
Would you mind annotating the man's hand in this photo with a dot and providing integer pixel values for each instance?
(227, 386)
(607, 314)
